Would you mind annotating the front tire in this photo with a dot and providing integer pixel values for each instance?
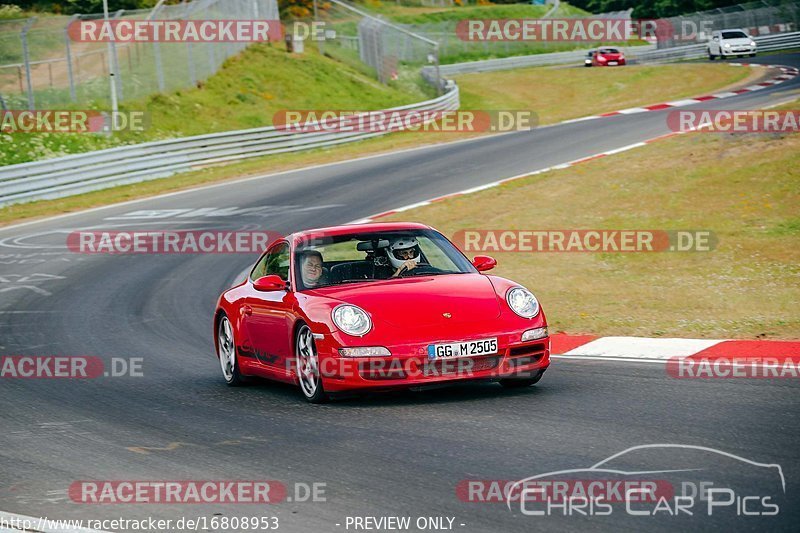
(519, 383)
(307, 361)
(226, 351)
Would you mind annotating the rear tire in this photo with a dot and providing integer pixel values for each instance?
(519, 383)
(307, 361)
(711, 57)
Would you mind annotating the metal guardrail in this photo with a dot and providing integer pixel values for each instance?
(647, 53)
(75, 174)
(508, 63)
(766, 43)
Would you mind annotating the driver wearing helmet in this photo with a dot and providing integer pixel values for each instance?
(404, 255)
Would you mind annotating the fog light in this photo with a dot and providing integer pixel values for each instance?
(365, 351)
(533, 334)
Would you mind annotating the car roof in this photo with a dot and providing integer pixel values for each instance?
(354, 229)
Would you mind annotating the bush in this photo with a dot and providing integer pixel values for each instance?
(10, 11)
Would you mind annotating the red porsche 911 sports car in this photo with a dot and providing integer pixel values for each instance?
(607, 57)
(378, 306)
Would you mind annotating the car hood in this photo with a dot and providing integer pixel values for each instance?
(423, 300)
(736, 42)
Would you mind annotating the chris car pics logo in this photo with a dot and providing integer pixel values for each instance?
(655, 480)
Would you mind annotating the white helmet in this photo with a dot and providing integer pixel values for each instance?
(403, 243)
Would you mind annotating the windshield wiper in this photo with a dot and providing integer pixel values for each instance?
(421, 273)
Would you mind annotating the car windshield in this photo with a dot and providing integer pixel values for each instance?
(734, 35)
(366, 257)
(608, 51)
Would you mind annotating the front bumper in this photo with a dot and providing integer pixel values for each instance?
(617, 63)
(739, 51)
(410, 366)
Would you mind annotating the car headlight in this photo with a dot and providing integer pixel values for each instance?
(727, 45)
(752, 43)
(523, 302)
(352, 320)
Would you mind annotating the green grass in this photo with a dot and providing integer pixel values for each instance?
(504, 11)
(246, 93)
(557, 94)
(744, 188)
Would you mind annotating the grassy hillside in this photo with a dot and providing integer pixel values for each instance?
(246, 93)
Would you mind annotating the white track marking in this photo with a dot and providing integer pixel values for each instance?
(625, 148)
(681, 103)
(724, 95)
(641, 347)
(610, 359)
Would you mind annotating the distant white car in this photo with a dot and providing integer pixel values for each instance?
(728, 43)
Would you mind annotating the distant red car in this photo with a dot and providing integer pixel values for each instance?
(377, 306)
(605, 57)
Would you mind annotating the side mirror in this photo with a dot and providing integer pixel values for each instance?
(484, 263)
(273, 282)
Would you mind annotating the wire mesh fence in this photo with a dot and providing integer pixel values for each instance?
(42, 67)
(765, 17)
(364, 39)
(386, 45)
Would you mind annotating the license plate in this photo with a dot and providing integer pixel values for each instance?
(462, 349)
(612, 63)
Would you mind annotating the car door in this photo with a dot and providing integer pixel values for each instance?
(714, 45)
(268, 315)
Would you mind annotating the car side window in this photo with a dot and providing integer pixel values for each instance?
(258, 270)
(276, 261)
